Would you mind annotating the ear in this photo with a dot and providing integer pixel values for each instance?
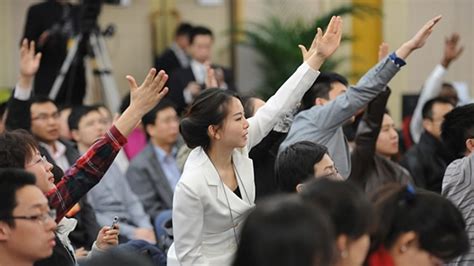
(469, 145)
(299, 188)
(149, 129)
(341, 243)
(4, 231)
(212, 131)
(427, 124)
(320, 101)
(75, 135)
(403, 242)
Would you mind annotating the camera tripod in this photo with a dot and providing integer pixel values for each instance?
(103, 68)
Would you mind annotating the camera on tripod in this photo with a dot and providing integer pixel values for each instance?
(91, 36)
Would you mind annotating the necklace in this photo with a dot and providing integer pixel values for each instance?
(232, 220)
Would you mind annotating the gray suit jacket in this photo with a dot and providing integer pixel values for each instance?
(148, 180)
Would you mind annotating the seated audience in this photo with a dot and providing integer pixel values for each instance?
(415, 227)
(427, 160)
(350, 213)
(284, 231)
(302, 161)
(457, 132)
(26, 222)
(112, 196)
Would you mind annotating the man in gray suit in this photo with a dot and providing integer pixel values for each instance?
(154, 173)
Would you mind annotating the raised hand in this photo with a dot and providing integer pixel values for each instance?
(150, 92)
(211, 81)
(419, 39)
(107, 237)
(383, 50)
(29, 61)
(324, 45)
(142, 99)
(451, 49)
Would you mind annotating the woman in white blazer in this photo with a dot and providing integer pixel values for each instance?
(217, 188)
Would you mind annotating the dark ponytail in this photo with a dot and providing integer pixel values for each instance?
(439, 225)
(209, 108)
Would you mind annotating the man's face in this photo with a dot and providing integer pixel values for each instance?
(433, 125)
(326, 167)
(166, 128)
(337, 89)
(30, 239)
(387, 141)
(91, 127)
(45, 121)
(201, 48)
(41, 169)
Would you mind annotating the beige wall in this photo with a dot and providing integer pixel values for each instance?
(402, 18)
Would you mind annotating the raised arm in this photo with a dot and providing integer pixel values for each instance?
(291, 92)
(18, 105)
(433, 84)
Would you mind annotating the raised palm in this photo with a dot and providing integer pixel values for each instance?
(451, 48)
(422, 35)
(324, 45)
(29, 61)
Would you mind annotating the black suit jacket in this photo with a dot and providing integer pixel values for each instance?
(180, 79)
(167, 61)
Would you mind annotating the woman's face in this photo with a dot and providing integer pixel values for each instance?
(387, 141)
(234, 130)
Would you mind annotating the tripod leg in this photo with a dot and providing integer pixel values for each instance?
(109, 87)
(71, 54)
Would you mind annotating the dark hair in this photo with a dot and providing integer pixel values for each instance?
(427, 111)
(39, 99)
(12, 180)
(150, 117)
(349, 209)
(249, 105)
(289, 173)
(209, 108)
(321, 88)
(439, 225)
(457, 127)
(199, 30)
(183, 29)
(16, 148)
(284, 231)
(77, 113)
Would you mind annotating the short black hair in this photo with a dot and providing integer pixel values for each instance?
(349, 209)
(150, 117)
(77, 113)
(427, 111)
(457, 127)
(39, 99)
(124, 103)
(199, 30)
(283, 230)
(321, 88)
(183, 29)
(438, 224)
(12, 180)
(16, 148)
(296, 163)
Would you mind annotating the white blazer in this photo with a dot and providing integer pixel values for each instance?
(203, 227)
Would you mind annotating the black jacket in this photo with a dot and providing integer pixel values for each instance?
(427, 162)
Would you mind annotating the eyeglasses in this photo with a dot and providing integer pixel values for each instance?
(40, 218)
(42, 159)
(44, 117)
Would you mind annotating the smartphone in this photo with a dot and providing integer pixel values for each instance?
(114, 222)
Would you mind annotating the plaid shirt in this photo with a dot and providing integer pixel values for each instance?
(85, 173)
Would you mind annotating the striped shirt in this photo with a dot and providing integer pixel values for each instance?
(458, 187)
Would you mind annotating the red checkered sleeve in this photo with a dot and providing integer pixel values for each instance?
(86, 172)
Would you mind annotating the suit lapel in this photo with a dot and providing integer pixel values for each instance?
(157, 174)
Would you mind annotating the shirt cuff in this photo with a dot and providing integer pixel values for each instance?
(22, 94)
(117, 136)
